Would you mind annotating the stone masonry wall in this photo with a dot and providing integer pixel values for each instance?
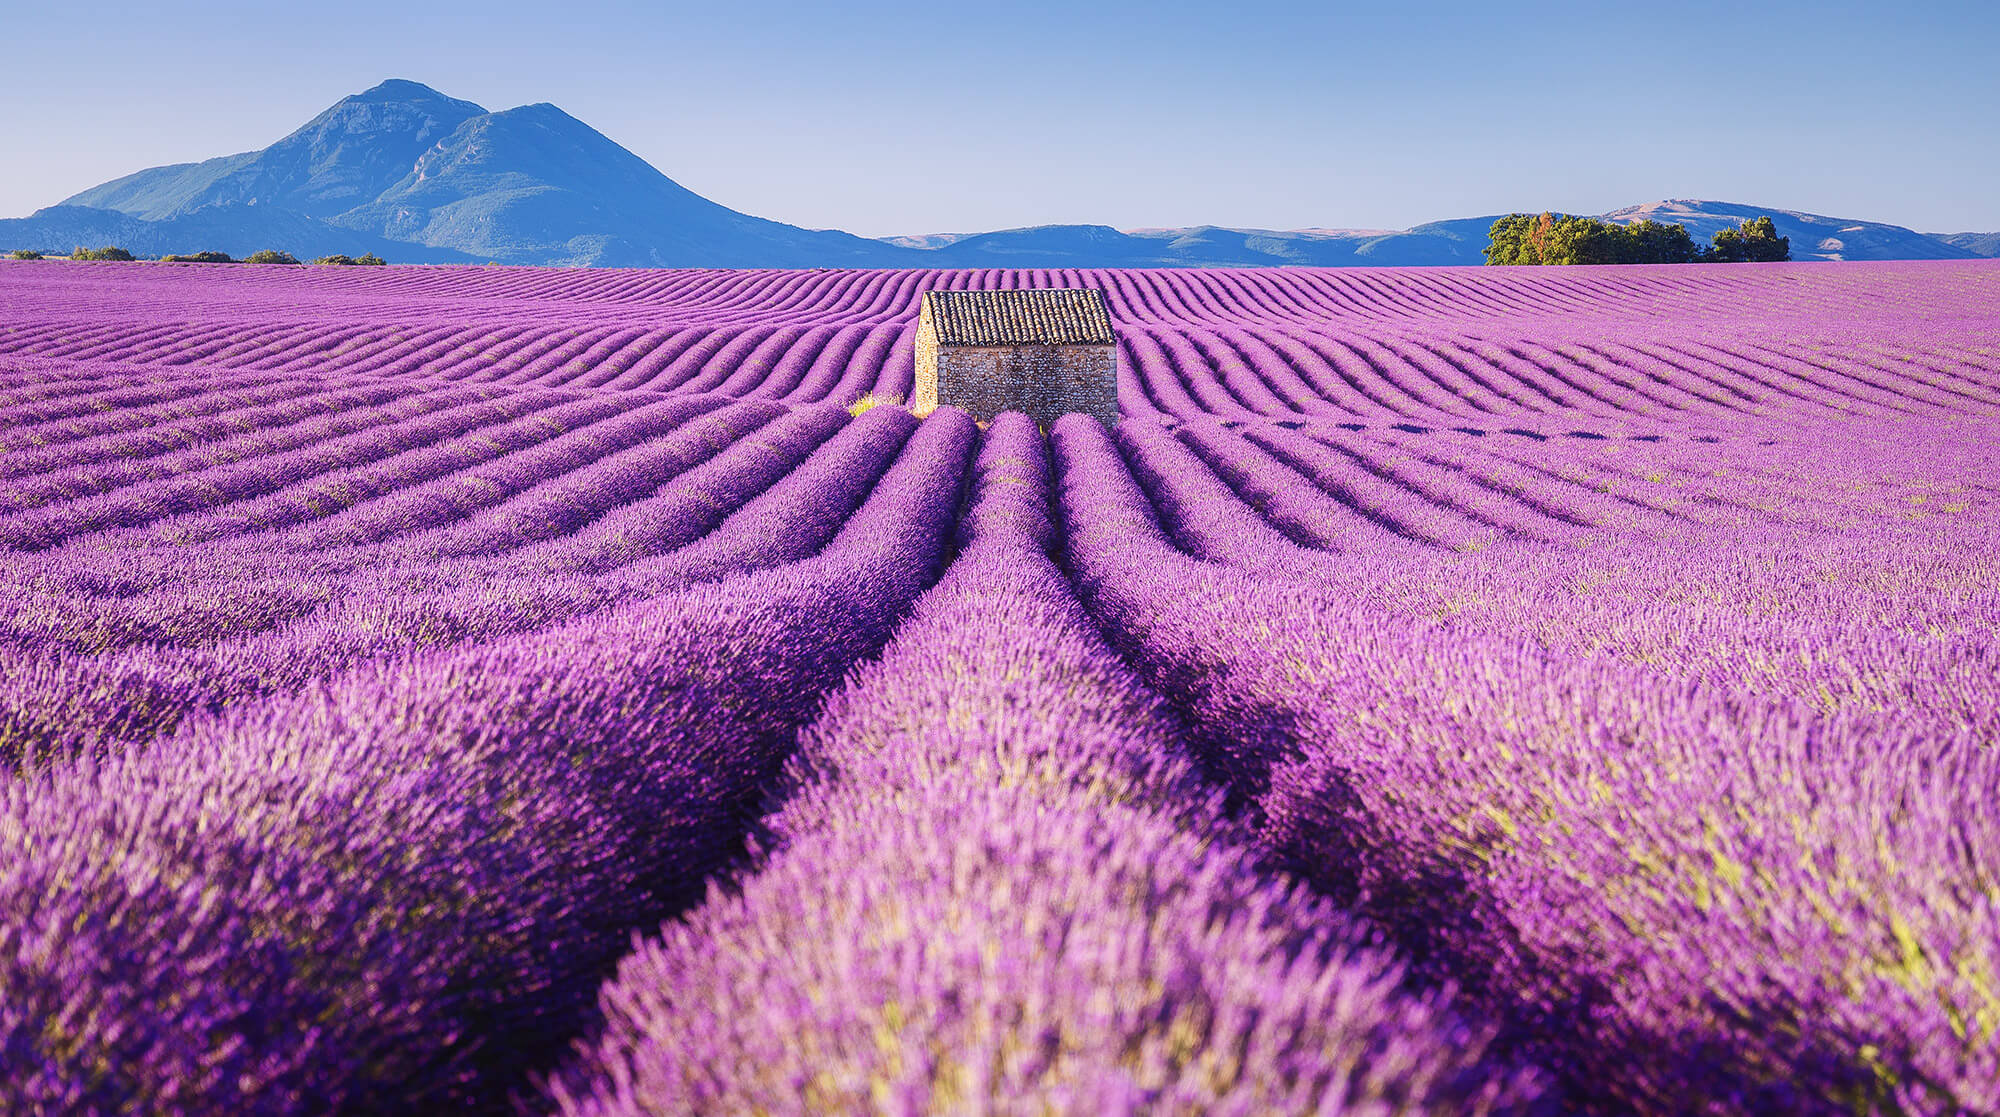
(924, 393)
(1046, 381)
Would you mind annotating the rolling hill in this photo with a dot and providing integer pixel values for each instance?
(1813, 236)
(1979, 244)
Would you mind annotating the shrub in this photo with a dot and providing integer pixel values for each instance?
(271, 256)
(370, 260)
(108, 252)
(1755, 241)
(210, 257)
(365, 260)
(24, 254)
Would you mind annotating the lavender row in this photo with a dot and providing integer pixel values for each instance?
(999, 887)
(1432, 347)
(394, 892)
(234, 404)
(1686, 898)
(1807, 599)
(709, 527)
(559, 435)
(1364, 296)
(269, 430)
(185, 596)
(259, 463)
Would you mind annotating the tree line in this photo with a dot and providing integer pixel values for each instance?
(1555, 238)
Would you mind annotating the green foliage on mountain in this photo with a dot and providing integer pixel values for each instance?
(1552, 238)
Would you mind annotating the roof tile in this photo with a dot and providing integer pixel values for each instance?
(1046, 316)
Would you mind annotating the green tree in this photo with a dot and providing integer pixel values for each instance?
(370, 260)
(24, 254)
(1510, 241)
(1656, 243)
(1556, 238)
(108, 252)
(1755, 241)
(210, 257)
(270, 256)
(1586, 240)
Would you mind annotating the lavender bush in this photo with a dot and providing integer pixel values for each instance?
(1001, 888)
(1447, 690)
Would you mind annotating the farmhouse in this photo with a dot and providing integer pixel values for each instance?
(1046, 352)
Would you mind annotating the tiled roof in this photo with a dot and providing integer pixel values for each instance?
(1049, 316)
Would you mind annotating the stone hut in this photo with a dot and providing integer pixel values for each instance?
(1046, 352)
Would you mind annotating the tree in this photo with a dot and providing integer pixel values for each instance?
(1586, 240)
(1657, 243)
(1755, 241)
(200, 258)
(1510, 241)
(1557, 238)
(270, 256)
(108, 252)
(370, 260)
(24, 254)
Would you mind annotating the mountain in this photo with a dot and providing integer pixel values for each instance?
(415, 176)
(344, 157)
(1813, 237)
(1979, 244)
(536, 185)
(1081, 246)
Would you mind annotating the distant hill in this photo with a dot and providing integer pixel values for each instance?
(1979, 244)
(233, 228)
(1204, 246)
(1813, 237)
(415, 176)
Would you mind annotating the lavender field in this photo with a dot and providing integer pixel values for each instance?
(1566, 690)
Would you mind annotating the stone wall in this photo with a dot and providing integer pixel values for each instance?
(924, 393)
(1046, 381)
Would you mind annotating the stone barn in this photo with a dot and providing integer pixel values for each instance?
(1046, 352)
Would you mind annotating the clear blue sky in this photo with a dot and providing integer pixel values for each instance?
(902, 118)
